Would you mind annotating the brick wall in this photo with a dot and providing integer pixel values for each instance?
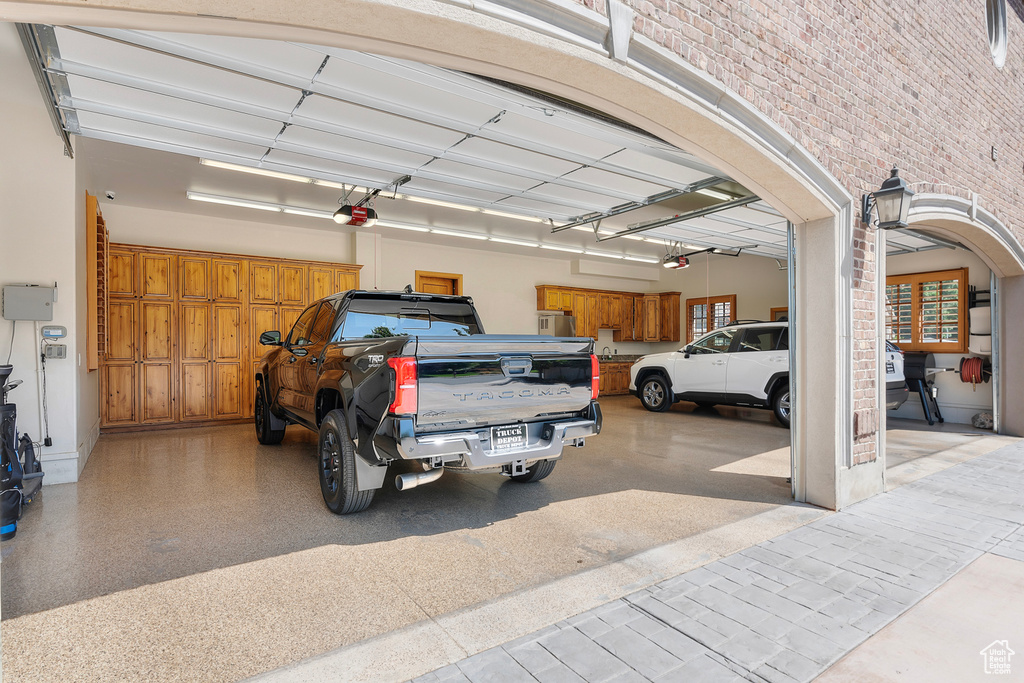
(864, 85)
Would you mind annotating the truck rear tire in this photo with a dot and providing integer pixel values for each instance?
(536, 471)
(336, 462)
(265, 433)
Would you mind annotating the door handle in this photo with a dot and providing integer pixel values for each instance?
(313, 360)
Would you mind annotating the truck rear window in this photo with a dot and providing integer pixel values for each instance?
(378, 319)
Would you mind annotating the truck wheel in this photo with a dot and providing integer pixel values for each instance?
(536, 471)
(337, 465)
(780, 405)
(265, 434)
(655, 394)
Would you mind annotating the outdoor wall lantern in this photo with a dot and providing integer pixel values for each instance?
(892, 201)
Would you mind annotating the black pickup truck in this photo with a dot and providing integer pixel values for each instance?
(386, 376)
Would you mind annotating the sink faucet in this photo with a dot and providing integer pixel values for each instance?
(606, 351)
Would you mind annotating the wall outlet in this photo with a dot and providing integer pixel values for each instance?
(55, 351)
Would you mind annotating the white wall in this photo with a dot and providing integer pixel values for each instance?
(37, 231)
(155, 228)
(957, 401)
(757, 282)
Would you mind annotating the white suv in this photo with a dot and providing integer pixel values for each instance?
(745, 364)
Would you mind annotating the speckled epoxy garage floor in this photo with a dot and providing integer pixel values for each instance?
(198, 555)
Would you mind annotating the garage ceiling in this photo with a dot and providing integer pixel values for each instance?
(331, 117)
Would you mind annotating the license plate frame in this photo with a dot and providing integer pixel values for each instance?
(508, 438)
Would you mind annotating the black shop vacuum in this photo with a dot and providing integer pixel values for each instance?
(21, 475)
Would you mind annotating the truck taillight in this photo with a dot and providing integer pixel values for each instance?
(595, 376)
(405, 385)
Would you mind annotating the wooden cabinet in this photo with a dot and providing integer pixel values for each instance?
(157, 275)
(344, 280)
(263, 283)
(554, 298)
(615, 378)
(670, 328)
(120, 393)
(194, 278)
(627, 314)
(228, 279)
(228, 361)
(121, 280)
(652, 318)
(182, 329)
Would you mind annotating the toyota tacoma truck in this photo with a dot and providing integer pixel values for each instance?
(390, 376)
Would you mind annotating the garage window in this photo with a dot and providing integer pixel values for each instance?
(708, 313)
(927, 311)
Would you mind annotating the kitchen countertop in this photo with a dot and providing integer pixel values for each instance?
(620, 358)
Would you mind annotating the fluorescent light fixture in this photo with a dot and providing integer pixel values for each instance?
(518, 243)
(715, 194)
(253, 170)
(212, 199)
(518, 217)
(583, 228)
(641, 259)
(312, 213)
(555, 247)
(452, 233)
(402, 226)
(438, 202)
(604, 254)
(339, 186)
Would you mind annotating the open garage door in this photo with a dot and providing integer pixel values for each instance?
(226, 151)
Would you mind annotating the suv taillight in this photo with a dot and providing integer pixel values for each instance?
(595, 376)
(405, 385)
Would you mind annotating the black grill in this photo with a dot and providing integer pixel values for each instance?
(915, 365)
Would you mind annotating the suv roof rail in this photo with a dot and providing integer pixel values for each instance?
(747, 322)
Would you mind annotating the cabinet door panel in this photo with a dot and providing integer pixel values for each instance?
(288, 318)
(121, 331)
(593, 316)
(345, 280)
(121, 273)
(157, 275)
(157, 337)
(194, 330)
(119, 389)
(194, 278)
(227, 388)
(262, 319)
(157, 404)
(263, 283)
(652, 313)
(321, 282)
(292, 283)
(227, 332)
(227, 279)
(195, 391)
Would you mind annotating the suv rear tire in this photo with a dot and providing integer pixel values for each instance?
(655, 394)
(781, 405)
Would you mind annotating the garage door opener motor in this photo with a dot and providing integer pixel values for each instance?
(21, 475)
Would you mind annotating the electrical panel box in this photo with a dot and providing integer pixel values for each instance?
(55, 350)
(29, 302)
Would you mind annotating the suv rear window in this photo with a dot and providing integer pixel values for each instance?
(763, 339)
(367, 319)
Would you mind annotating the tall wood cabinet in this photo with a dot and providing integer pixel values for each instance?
(183, 329)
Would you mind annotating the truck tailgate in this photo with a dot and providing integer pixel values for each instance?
(493, 379)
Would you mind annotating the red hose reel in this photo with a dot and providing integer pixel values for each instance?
(974, 370)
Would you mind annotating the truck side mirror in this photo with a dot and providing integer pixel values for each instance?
(272, 338)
